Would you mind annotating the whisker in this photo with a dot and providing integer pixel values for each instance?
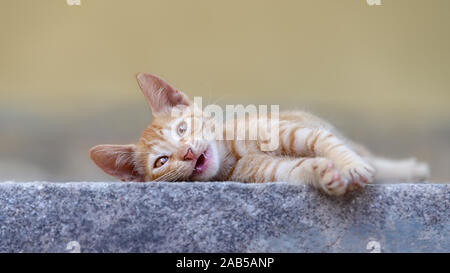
(170, 176)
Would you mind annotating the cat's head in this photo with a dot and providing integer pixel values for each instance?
(177, 146)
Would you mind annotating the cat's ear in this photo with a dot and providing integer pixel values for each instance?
(159, 94)
(117, 160)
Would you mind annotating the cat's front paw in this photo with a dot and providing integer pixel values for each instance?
(330, 179)
(358, 174)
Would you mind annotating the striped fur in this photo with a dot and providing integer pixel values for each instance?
(310, 150)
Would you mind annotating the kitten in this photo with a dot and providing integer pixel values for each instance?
(310, 151)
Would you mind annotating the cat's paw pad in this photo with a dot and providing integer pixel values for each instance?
(358, 174)
(330, 179)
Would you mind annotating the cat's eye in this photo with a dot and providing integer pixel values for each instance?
(182, 128)
(160, 161)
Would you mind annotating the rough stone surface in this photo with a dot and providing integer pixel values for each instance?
(221, 217)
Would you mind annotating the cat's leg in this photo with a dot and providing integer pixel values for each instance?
(321, 173)
(405, 170)
(394, 170)
(320, 142)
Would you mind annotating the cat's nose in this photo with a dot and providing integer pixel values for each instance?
(189, 155)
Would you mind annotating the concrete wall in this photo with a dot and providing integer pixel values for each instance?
(221, 217)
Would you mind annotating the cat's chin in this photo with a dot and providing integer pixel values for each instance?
(207, 164)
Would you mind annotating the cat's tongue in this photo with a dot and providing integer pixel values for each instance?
(202, 163)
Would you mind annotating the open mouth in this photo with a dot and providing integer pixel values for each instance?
(201, 163)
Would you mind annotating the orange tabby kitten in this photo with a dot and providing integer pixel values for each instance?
(309, 151)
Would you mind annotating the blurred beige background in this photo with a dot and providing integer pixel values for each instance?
(380, 73)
